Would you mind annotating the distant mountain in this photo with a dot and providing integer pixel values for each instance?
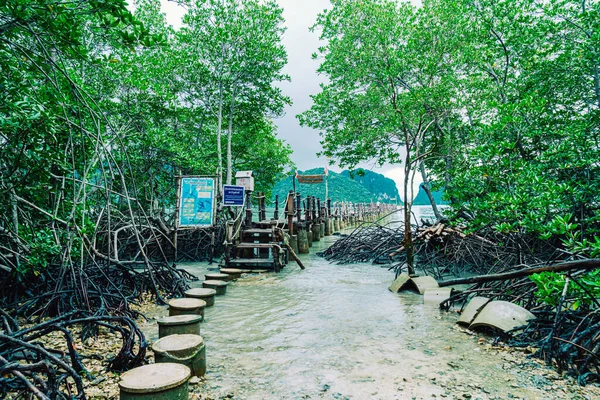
(423, 200)
(341, 187)
(384, 188)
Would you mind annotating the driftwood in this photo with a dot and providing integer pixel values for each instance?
(567, 266)
(368, 242)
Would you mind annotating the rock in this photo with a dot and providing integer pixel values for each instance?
(98, 380)
(194, 380)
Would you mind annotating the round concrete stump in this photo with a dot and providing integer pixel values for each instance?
(167, 381)
(309, 236)
(316, 232)
(322, 230)
(303, 242)
(215, 276)
(233, 273)
(179, 325)
(219, 286)
(188, 350)
(207, 295)
(186, 306)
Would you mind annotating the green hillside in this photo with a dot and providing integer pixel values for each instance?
(384, 188)
(341, 188)
(423, 200)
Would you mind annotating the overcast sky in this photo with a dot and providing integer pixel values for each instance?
(300, 15)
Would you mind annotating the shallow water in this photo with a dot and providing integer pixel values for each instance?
(336, 332)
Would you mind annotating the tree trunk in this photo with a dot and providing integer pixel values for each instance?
(427, 189)
(219, 127)
(408, 242)
(229, 135)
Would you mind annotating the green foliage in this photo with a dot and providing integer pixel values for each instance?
(499, 99)
(551, 285)
(43, 249)
(101, 108)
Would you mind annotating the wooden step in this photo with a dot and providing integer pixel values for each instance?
(252, 263)
(256, 231)
(246, 245)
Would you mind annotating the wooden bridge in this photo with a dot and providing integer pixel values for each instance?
(268, 244)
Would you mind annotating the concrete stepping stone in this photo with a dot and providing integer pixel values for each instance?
(155, 381)
(502, 315)
(219, 286)
(233, 273)
(435, 296)
(186, 305)
(207, 295)
(216, 276)
(472, 309)
(400, 281)
(423, 283)
(179, 325)
(417, 284)
(188, 350)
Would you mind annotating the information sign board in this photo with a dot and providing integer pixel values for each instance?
(310, 179)
(233, 195)
(197, 201)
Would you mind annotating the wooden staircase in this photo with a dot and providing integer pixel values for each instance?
(259, 248)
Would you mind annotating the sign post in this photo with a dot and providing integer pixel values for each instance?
(196, 201)
(233, 195)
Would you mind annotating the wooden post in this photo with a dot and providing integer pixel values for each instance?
(276, 213)
(229, 242)
(295, 256)
(299, 207)
(212, 245)
(248, 211)
(290, 212)
(262, 212)
(307, 209)
(320, 215)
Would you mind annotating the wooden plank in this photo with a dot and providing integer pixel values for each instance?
(258, 231)
(257, 245)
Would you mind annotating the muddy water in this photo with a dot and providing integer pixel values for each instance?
(336, 332)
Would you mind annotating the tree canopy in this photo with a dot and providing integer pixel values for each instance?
(495, 101)
(102, 107)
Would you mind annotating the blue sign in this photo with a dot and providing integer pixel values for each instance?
(197, 202)
(233, 195)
